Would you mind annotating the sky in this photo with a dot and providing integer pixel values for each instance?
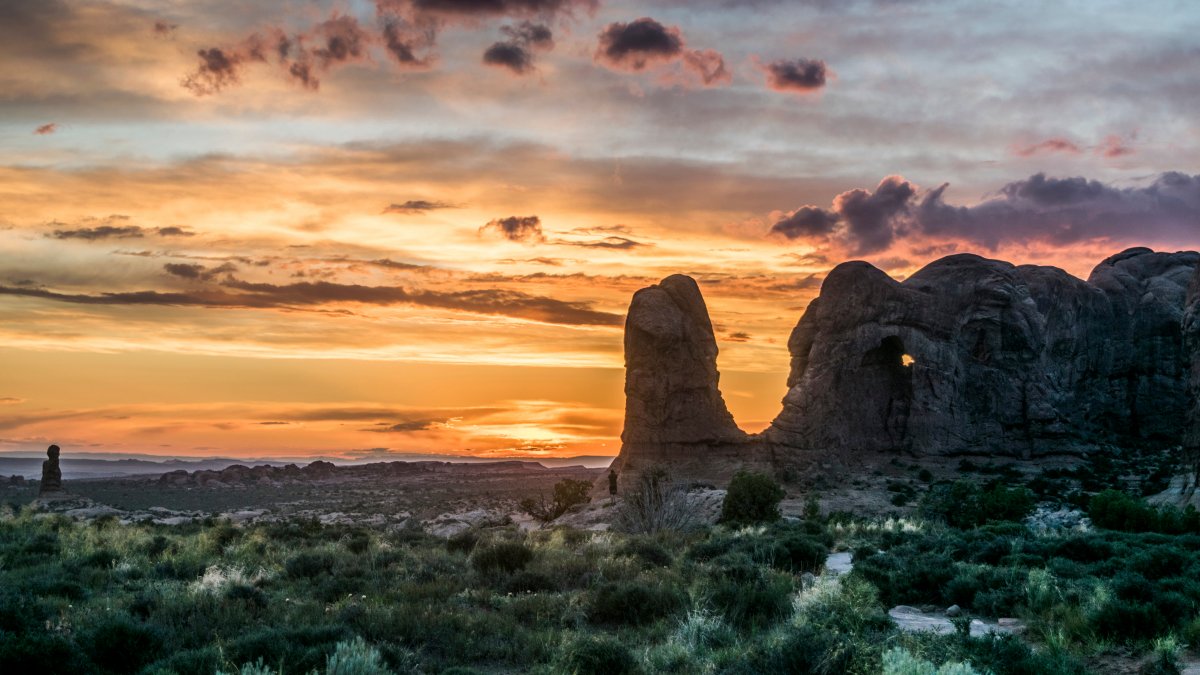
(367, 228)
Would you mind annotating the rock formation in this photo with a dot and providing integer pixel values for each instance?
(967, 356)
(674, 411)
(1191, 339)
(51, 474)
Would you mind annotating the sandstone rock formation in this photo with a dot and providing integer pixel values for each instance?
(674, 411)
(967, 356)
(1191, 337)
(51, 474)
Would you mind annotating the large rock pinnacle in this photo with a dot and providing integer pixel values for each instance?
(674, 411)
(1191, 338)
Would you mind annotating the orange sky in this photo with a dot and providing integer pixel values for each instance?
(437, 257)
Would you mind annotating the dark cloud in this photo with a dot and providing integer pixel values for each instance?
(806, 222)
(164, 28)
(197, 271)
(402, 41)
(174, 231)
(337, 40)
(185, 270)
(1048, 145)
(738, 337)
(516, 228)
(409, 426)
(869, 217)
(218, 69)
(862, 221)
(1039, 208)
(234, 293)
(1066, 210)
(509, 55)
(516, 53)
(614, 242)
(633, 46)
(110, 231)
(46, 129)
(798, 75)
(473, 8)
(100, 232)
(416, 207)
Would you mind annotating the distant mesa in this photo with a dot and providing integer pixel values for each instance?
(969, 356)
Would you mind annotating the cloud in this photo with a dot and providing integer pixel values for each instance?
(863, 221)
(197, 271)
(516, 228)
(234, 293)
(806, 222)
(1059, 211)
(709, 65)
(110, 231)
(174, 231)
(219, 69)
(1048, 145)
(164, 28)
(645, 43)
(337, 40)
(613, 242)
(10, 400)
(738, 337)
(797, 75)
(409, 426)
(101, 232)
(46, 129)
(1114, 146)
(635, 45)
(516, 53)
(414, 207)
(477, 8)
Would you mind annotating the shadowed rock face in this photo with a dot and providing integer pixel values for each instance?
(674, 411)
(968, 356)
(1191, 336)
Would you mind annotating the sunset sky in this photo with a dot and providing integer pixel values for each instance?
(362, 228)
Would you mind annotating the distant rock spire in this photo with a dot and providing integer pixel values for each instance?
(51, 473)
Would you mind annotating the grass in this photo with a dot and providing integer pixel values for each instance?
(301, 597)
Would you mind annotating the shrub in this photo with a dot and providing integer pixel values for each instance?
(122, 645)
(803, 649)
(963, 504)
(504, 556)
(463, 542)
(747, 595)
(896, 661)
(598, 655)
(308, 565)
(752, 497)
(568, 493)
(634, 602)
(40, 653)
(355, 658)
(650, 552)
(655, 504)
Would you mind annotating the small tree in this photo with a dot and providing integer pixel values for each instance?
(568, 493)
(752, 497)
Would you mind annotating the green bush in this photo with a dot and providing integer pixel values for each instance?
(1115, 510)
(964, 504)
(634, 603)
(751, 498)
(355, 657)
(504, 556)
(121, 645)
(598, 655)
(648, 551)
(747, 595)
(568, 493)
(308, 565)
